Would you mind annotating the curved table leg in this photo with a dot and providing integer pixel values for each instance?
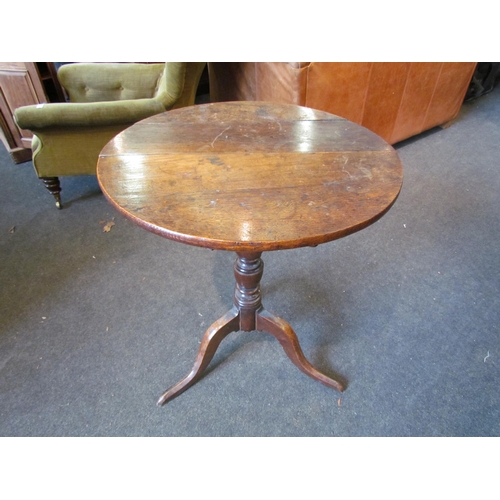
(282, 331)
(215, 334)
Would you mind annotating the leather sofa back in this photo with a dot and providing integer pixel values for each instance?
(395, 100)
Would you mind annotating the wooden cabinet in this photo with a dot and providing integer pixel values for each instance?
(22, 84)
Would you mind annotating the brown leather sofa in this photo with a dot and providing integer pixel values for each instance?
(396, 100)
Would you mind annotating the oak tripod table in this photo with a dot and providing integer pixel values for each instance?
(249, 177)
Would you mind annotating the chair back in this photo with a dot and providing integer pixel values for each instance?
(117, 85)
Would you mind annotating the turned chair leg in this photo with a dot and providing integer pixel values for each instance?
(54, 186)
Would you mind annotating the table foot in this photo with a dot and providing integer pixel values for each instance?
(284, 333)
(215, 334)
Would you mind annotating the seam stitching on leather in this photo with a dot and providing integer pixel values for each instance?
(400, 103)
(366, 95)
(432, 97)
(306, 68)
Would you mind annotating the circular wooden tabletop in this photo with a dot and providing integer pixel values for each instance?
(250, 176)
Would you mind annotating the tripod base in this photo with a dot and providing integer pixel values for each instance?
(248, 314)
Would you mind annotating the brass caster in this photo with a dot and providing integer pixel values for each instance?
(54, 187)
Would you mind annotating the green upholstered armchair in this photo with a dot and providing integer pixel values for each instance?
(105, 98)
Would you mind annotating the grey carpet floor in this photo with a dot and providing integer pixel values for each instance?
(95, 325)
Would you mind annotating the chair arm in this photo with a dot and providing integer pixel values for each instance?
(42, 116)
(97, 82)
(175, 81)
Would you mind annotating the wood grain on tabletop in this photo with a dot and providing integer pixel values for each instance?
(250, 176)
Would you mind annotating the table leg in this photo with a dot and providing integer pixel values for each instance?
(247, 315)
(215, 334)
(280, 329)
